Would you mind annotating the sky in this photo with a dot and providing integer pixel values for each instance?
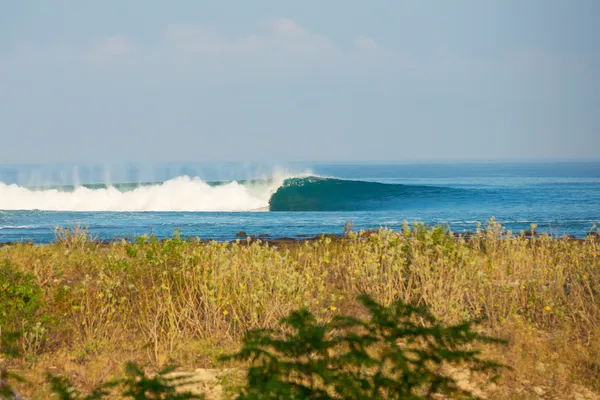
(311, 80)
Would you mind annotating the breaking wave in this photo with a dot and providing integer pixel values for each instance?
(179, 194)
(302, 193)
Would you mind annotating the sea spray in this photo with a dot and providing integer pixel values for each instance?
(179, 194)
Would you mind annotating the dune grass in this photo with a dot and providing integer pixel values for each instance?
(84, 308)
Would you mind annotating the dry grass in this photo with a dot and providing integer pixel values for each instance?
(185, 301)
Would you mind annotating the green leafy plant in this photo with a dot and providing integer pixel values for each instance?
(32, 340)
(20, 297)
(398, 353)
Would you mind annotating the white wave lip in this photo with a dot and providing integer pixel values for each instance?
(179, 194)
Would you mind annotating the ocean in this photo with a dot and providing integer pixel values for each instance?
(216, 201)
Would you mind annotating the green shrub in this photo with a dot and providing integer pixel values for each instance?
(20, 298)
(399, 353)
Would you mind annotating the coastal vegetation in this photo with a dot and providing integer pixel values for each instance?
(82, 308)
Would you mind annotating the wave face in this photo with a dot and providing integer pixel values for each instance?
(330, 194)
(179, 194)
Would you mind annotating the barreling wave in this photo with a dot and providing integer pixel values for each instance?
(330, 194)
(302, 193)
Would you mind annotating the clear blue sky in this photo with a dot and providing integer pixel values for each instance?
(267, 80)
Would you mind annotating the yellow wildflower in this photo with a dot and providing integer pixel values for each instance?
(225, 312)
(333, 308)
(548, 308)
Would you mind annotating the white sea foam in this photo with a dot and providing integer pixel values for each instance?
(19, 227)
(179, 194)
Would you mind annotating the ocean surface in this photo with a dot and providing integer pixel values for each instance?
(215, 201)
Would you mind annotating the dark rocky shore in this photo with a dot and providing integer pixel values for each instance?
(243, 238)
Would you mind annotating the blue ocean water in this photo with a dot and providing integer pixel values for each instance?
(295, 200)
